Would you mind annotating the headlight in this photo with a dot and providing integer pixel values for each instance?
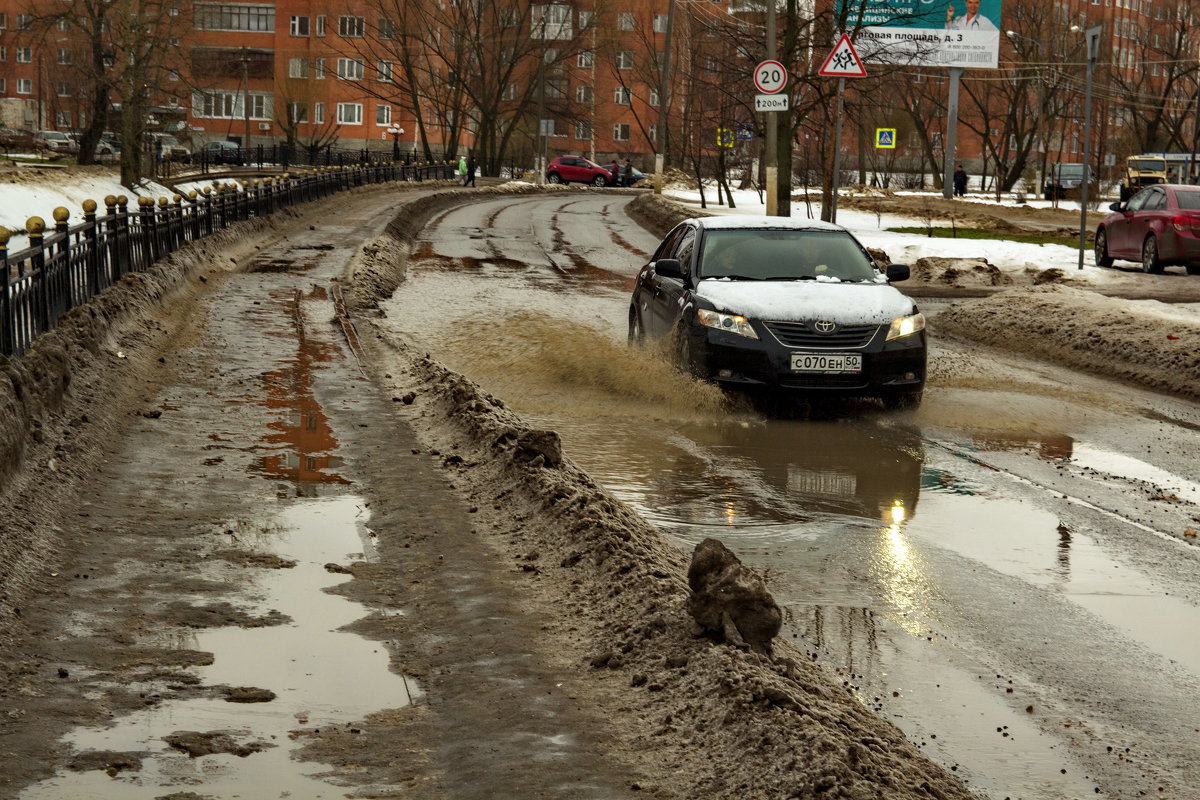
(733, 323)
(906, 326)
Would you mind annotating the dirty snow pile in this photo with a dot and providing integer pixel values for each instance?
(1141, 341)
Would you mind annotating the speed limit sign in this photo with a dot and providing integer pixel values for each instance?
(770, 77)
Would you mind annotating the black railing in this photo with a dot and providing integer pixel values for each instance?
(281, 156)
(63, 268)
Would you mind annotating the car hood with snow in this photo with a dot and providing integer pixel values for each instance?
(846, 303)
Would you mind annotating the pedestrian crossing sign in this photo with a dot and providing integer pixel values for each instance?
(885, 138)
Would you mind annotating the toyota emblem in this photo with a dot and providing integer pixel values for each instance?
(824, 326)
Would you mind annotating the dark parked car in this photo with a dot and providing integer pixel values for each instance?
(1159, 227)
(219, 153)
(1066, 180)
(566, 169)
(781, 305)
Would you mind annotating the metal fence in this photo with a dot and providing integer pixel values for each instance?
(63, 268)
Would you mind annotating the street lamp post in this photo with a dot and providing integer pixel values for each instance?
(395, 131)
(1092, 36)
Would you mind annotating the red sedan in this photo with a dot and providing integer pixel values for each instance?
(1158, 227)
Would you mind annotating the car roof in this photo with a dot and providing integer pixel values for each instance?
(749, 222)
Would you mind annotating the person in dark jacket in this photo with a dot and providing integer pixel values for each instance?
(615, 169)
(627, 174)
(960, 181)
(469, 178)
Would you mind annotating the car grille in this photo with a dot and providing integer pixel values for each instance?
(799, 334)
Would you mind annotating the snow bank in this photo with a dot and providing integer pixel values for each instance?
(1144, 342)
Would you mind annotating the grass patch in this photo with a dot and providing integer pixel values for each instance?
(943, 232)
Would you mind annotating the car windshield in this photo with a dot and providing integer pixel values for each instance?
(1149, 165)
(1189, 201)
(54, 135)
(767, 255)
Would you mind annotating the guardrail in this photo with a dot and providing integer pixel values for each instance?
(66, 267)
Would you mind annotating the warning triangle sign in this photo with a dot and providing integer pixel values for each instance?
(843, 61)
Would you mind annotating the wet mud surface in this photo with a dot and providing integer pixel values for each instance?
(317, 562)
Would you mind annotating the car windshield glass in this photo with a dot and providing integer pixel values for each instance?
(1148, 165)
(1188, 200)
(784, 255)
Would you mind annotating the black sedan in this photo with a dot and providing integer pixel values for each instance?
(220, 153)
(781, 305)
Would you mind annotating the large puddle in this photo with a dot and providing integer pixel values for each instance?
(320, 676)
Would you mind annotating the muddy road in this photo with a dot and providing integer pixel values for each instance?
(1001, 574)
(275, 545)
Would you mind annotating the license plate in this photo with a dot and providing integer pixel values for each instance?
(826, 362)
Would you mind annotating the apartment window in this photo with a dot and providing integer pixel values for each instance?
(626, 21)
(299, 26)
(654, 97)
(625, 59)
(3, 53)
(320, 27)
(174, 40)
(229, 105)
(660, 23)
(319, 69)
(583, 94)
(174, 11)
(349, 113)
(621, 132)
(24, 86)
(3, 20)
(383, 115)
(710, 63)
(385, 71)
(622, 95)
(350, 69)
(586, 18)
(24, 22)
(3, 85)
(213, 17)
(319, 113)
(509, 92)
(508, 18)
(387, 28)
(351, 27)
(62, 119)
(62, 89)
(297, 67)
(297, 113)
(64, 56)
(172, 76)
(652, 132)
(62, 24)
(586, 59)
(24, 55)
(583, 130)
(551, 21)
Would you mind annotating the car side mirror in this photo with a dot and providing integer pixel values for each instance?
(897, 272)
(1116, 206)
(669, 268)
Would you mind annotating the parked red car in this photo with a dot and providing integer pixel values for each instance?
(566, 169)
(1159, 227)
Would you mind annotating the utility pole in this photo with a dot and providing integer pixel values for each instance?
(246, 99)
(664, 95)
(772, 145)
(1092, 35)
(951, 133)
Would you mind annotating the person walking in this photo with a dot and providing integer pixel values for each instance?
(628, 173)
(615, 169)
(469, 179)
(461, 170)
(960, 181)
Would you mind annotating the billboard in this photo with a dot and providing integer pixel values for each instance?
(930, 33)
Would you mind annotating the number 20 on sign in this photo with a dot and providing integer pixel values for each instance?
(770, 77)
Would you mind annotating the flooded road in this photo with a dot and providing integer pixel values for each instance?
(1008, 575)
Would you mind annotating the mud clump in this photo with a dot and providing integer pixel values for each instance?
(731, 601)
(197, 744)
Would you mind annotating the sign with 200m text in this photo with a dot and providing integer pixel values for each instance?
(770, 102)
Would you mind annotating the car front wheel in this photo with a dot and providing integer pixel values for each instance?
(1150, 261)
(599, 181)
(554, 177)
(1103, 259)
(637, 334)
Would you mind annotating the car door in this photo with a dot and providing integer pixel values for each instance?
(570, 170)
(670, 300)
(1147, 219)
(648, 296)
(1121, 241)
